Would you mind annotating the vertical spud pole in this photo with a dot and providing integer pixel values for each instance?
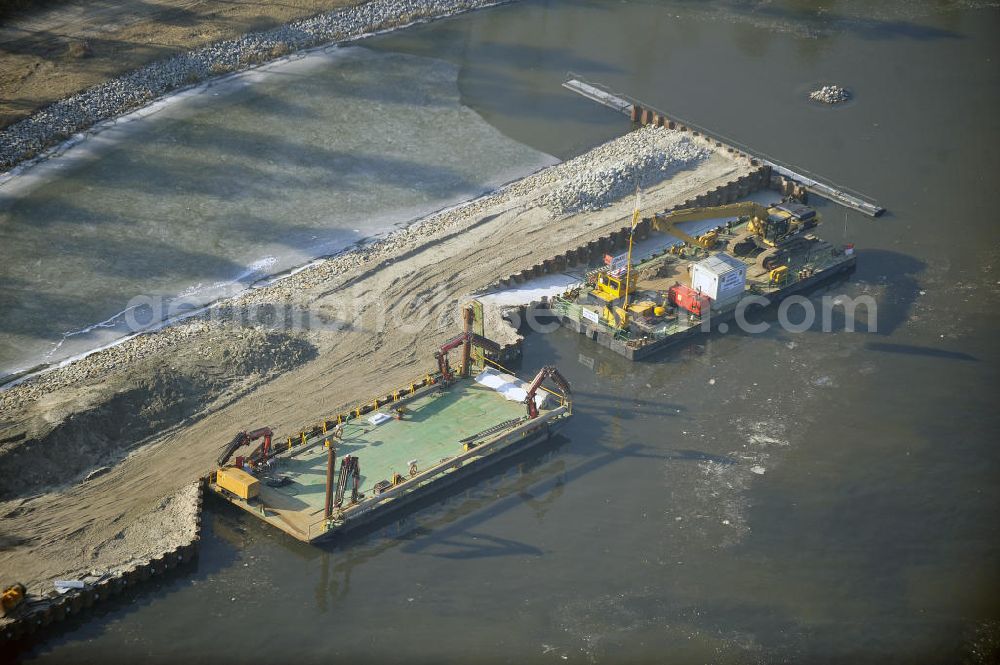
(467, 346)
(331, 463)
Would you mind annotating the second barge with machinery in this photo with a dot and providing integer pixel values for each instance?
(395, 450)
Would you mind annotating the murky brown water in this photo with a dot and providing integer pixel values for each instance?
(812, 497)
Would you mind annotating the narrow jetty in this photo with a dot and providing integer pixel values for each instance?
(645, 114)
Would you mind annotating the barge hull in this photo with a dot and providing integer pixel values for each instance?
(443, 482)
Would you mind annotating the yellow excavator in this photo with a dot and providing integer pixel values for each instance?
(770, 225)
(768, 228)
(781, 222)
(667, 222)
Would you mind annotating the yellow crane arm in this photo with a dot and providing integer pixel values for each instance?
(664, 226)
(666, 223)
(741, 209)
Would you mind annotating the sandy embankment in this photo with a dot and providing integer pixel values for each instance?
(368, 323)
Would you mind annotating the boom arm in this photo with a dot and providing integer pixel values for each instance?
(666, 223)
(265, 448)
(350, 469)
(465, 338)
(243, 439)
(547, 372)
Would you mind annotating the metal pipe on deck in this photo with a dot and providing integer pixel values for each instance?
(467, 345)
(331, 464)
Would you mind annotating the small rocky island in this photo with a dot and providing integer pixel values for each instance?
(830, 94)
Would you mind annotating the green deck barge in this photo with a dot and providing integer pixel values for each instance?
(446, 432)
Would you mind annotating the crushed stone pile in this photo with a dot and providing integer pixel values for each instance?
(642, 158)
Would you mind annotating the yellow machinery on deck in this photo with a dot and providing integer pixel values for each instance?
(667, 223)
(769, 226)
(237, 481)
(779, 275)
(782, 222)
(609, 288)
(617, 316)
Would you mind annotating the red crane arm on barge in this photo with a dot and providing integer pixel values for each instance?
(244, 439)
(547, 372)
(465, 339)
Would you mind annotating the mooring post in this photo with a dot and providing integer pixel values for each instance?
(467, 346)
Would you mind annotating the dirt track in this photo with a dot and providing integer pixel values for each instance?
(49, 54)
(374, 323)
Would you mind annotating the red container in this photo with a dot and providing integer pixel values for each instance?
(688, 299)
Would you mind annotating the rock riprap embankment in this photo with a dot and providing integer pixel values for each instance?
(642, 158)
(59, 121)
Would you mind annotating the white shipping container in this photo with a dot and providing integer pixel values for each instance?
(720, 277)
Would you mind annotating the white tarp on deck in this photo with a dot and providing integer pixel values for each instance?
(509, 386)
(379, 418)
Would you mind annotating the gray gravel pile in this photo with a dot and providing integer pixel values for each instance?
(642, 158)
(59, 121)
(830, 94)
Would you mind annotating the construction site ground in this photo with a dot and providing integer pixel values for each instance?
(375, 327)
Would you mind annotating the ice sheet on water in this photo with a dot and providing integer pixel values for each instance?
(298, 160)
